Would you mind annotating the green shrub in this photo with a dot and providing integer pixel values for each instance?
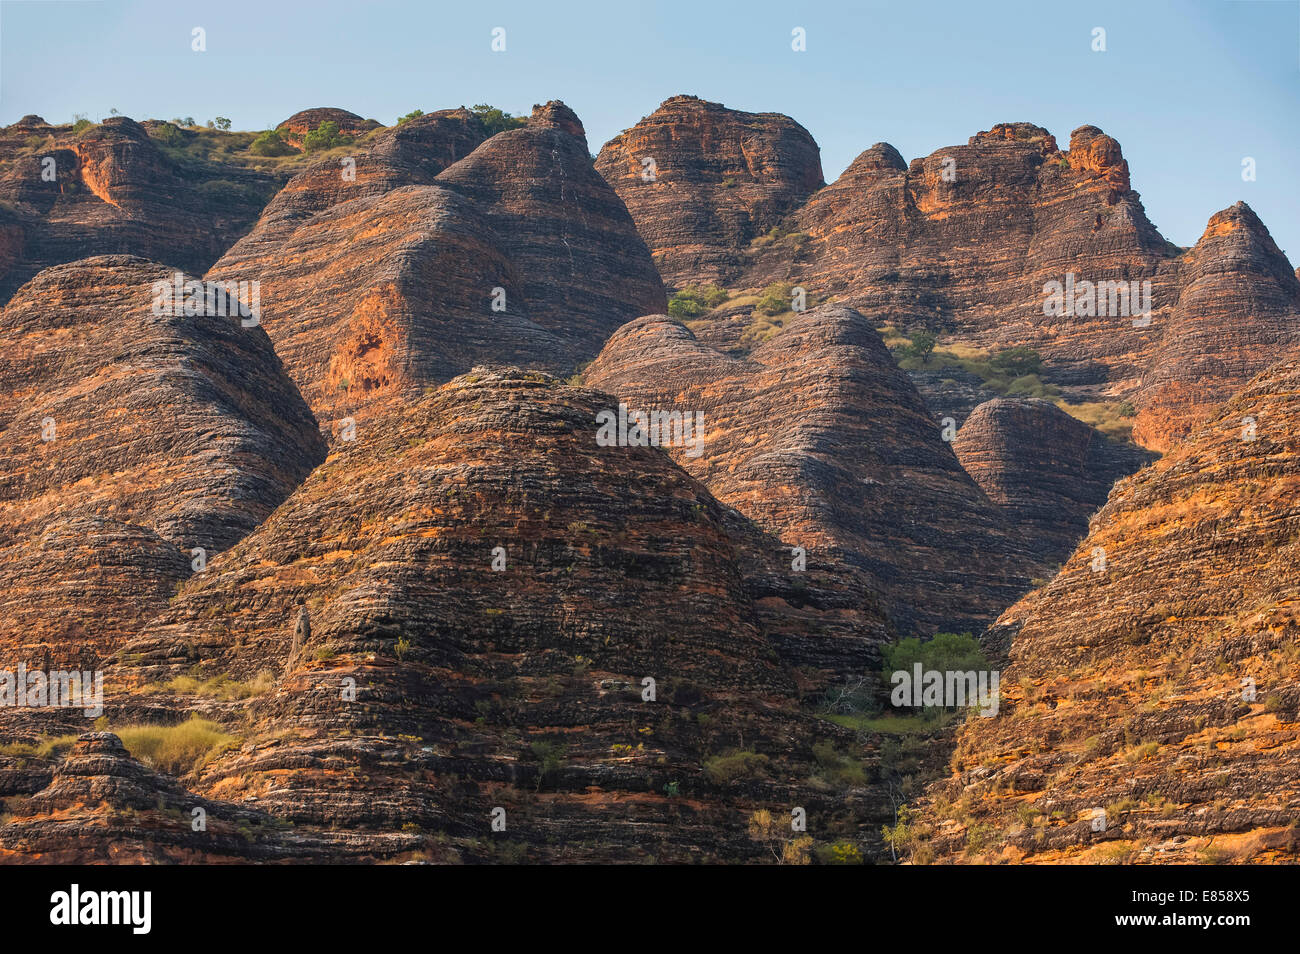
(1017, 362)
(496, 120)
(1029, 385)
(168, 134)
(270, 143)
(837, 768)
(921, 348)
(775, 299)
(839, 853)
(550, 758)
(694, 300)
(944, 652)
(325, 136)
(413, 114)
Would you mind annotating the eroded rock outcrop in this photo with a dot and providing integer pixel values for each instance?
(103, 806)
(442, 251)
(702, 181)
(300, 123)
(1238, 312)
(820, 439)
(584, 267)
(966, 240)
(111, 189)
(1047, 471)
(1155, 678)
(973, 241)
(131, 439)
(488, 590)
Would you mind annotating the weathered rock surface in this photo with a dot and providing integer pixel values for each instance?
(718, 179)
(390, 279)
(821, 440)
(113, 190)
(130, 440)
(518, 688)
(300, 123)
(1049, 472)
(1162, 687)
(384, 293)
(966, 242)
(101, 806)
(585, 269)
(1238, 312)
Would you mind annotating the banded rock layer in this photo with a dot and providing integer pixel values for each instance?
(1049, 472)
(442, 252)
(131, 439)
(702, 181)
(519, 687)
(1161, 684)
(1238, 312)
(821, 440)
(967, 243)
(111, 190)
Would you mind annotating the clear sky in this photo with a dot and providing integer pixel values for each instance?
(1189, 88)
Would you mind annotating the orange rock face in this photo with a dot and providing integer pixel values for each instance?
(969, 242)
(819, 438)
(1238, 311)
(112, 190)
(437, 251)
(485, 678)
(1155, 678)
(131, 440)
(702, 181)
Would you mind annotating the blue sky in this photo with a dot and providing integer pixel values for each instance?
(1188, 88)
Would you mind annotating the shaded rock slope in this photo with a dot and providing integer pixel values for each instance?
(1156, 677)
(442, 250)
(130, 440)
(820, 439)
(1049, 472)
(703, 181)
(112, 190)
(520, 688)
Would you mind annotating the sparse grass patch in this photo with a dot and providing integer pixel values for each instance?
(734, 766)
(176, 749)
(222, 687)
(1138, 753)
(1112, 418)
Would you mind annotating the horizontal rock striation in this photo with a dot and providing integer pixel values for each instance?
(520, 687)
(1047, 471)
(131, 439)
(300, 123)
(821, 440)
(1155, 678)
(702, 181)
(1238, 312)
(112, 190)
(969, 243)
(444, 251)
